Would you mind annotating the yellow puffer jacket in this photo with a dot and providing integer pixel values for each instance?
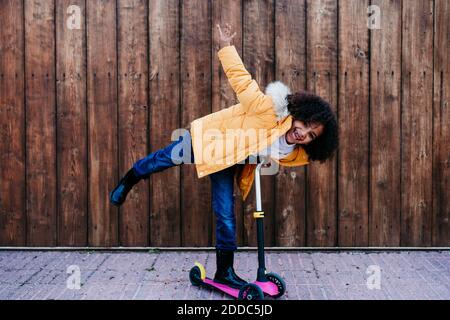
(265, 114)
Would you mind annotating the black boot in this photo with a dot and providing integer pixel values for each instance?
(120, 192)
(225, 272)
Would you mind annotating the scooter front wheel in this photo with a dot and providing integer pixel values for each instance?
(279, 282)
(250, 291)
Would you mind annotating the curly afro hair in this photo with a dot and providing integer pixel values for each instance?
(310, 108)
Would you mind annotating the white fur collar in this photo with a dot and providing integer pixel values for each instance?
(278, 91)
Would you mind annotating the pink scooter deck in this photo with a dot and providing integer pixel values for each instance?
(268, 287)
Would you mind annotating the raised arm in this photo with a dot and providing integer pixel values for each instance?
(246, 88)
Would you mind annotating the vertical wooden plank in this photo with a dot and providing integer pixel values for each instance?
(196, 102)
(102, 120)
(290, 53)
(322, 80)
(133, 117)
(165, 117)
(385, 127)
(259, 60)
(12, 120)
(40, 122)
(441, 122)
(353, 160)
(223, 96)
(71, 122)
(417, 127)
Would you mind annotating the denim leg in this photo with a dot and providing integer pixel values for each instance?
(222, 183)
(169, 156)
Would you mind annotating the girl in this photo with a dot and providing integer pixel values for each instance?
(293, 129)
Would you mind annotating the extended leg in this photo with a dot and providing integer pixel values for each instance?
(169, 156)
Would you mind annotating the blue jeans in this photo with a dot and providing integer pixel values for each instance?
(222, 183)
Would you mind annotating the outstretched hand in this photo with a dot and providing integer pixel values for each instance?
(225, 35)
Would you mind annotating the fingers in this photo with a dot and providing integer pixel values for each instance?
(229, 29)
(226, 29)
(218, 27)
(225, 33)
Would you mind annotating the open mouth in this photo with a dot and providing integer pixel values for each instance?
(297, 135)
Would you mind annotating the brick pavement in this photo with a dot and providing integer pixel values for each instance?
(164, 274)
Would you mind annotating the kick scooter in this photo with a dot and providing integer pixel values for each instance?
(266, 284)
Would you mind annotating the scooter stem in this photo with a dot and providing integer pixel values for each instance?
(258, 187)
(259, 216)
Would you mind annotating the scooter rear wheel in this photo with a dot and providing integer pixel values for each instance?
(195, 276)
(278, 281)
(250, 291)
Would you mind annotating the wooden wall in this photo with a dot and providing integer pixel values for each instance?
(79, 103)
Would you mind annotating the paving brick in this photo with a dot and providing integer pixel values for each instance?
(302, 292)
(329, 292)
(288, 277)
(317, 292)
(300, 277)
(8, 291)
(53, 292)
(65, 293)
(306, 262)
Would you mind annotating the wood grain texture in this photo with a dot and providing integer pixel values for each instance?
(223, 96)
(133, 115)
(258, 58)
(417, 126)
(195, 69)
(165, 218)
(40, 123)
(441, 125)
(321, 206)
(79, 106)
(102, 121)
(353, 166)
(385, 127)
(71, 125)
(290, 63)
(12, 125)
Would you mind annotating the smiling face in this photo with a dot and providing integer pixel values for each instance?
(303, 133)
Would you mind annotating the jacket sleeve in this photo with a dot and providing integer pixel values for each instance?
(246, 88)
